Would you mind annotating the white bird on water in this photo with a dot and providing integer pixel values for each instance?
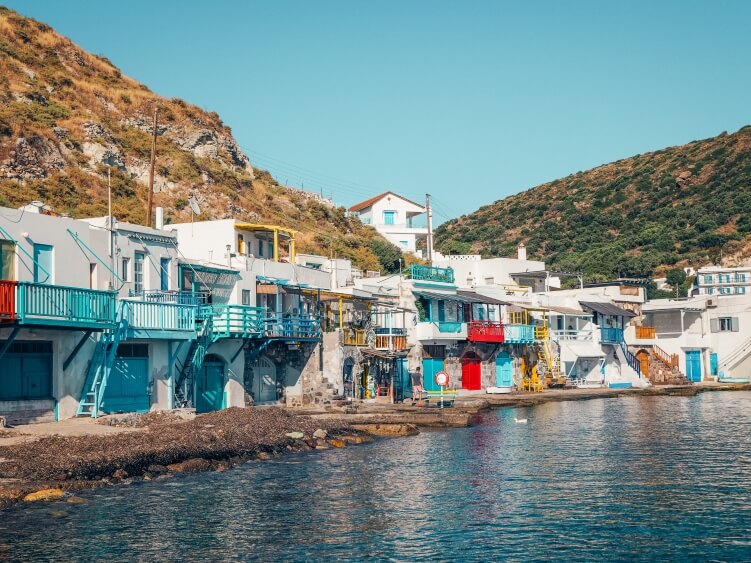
(520, 420)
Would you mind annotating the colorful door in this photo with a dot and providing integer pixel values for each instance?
(713, 363)
(264, 381)
(471, 372)
(127, 387)
(404, 387)
(504, 370)
(210, 385)
(643, 357)
(693, 365)
(26, 372)
(431, 366)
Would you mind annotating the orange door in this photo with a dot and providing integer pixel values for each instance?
(643, 358)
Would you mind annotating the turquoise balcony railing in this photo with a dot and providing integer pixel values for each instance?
(611, 335)
(178, 297)
(430, 273)
(147, 316)
(293, 327)
(235, 321)
(453, 327)
(62, 306)
(518, 334)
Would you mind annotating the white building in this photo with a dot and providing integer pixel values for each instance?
(714, 280)
(393, 217)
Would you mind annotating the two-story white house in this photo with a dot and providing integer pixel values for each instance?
(714, 280)
(393, 217)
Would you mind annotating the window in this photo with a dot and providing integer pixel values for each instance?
(724, 324)
(260, 249)
(709, 279)
(138, 272)
(246, 297)
(240, 244)
(389, 217)
(313, 265)
(740, 290)
(724, 278)
(271, 249)
(92, 275)
(489, 281)
(404, 243)
(125, 269)
(710, 291)
(164, 274)
(7, 255)
(43, 263)
(724, 290)
(740, 278)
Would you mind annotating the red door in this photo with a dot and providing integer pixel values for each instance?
(471, 378)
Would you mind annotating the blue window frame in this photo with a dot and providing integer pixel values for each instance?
(389, 217)
(43, 263)
(164, 274)
(138, 272)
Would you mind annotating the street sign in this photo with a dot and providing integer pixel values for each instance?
(441, 379)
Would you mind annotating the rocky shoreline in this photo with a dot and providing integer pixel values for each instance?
(158, 446)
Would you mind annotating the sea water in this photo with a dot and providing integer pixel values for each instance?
(625, 478)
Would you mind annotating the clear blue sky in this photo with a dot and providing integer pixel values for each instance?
(470, 101)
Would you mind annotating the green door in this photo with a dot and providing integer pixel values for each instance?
(264, 382)
(210, 386)
(26, 372)
(504, 370)
(431, 366)
(127, 387)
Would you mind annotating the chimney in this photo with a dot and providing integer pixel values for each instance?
(521, 251)
(160, 218)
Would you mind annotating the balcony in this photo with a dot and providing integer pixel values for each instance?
(289, 327)
(580, 335)
(353, 337)
(430, 273)
(28, 303)
(611, 335)
(441, 331)
(177, 297)
(542, 332)
(234, 321)
(485, 331)
(392, 339)
(518, 334)
(159, 320)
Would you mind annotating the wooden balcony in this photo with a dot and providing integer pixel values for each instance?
(392, 339)
(646, 332)
(353, 337)
(56, 306)
(485, 331)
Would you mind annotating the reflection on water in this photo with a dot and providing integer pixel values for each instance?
(624, 478)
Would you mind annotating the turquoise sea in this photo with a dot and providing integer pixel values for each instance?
(650, 478)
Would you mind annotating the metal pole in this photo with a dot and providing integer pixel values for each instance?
(151, 169)
(430, 228)
(109, 226)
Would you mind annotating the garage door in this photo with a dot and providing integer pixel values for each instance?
(26, 372)
(128, 384)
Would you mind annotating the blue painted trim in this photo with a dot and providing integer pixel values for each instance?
(434, 285)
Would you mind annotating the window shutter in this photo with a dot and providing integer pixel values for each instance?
(714, 325)
(734, 324)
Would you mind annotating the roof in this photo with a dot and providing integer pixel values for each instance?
(696, 304)
(269, 228)
(478, 298)
(368, 202)
(568, 311)
(607, 309)
(211, 267)
(467, 297)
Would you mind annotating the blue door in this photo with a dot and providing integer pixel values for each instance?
(127, 388)
(693, 365)
(713, 363)
(43, 263)
(504, 370)
(404, 385)
(210, 386)
(26, 372)
(431, 366)
(164, 274)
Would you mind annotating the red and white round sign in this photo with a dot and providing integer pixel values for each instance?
(441, 379)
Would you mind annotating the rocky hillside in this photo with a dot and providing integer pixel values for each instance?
(685, 205)
(67, 117)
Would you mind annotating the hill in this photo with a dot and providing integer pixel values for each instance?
(67, 116)
(683, 205)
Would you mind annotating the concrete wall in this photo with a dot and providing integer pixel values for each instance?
(470, 271)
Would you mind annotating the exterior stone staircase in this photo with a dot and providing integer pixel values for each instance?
(663, 368)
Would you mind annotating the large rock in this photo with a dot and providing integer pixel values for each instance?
(295, 435)
(32, 158)
(195, 465)
(44, 495)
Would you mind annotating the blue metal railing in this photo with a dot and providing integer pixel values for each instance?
(609, 335)
(71, 306)
(430, 273)
(518, 334)
(234, 320)
(447, 326)
(292, 326)
(178, 297)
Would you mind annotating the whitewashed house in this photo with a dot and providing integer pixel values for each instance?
(393, 217)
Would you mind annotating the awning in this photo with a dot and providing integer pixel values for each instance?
(569, 311)
(571, 350)
(384, 354)
(455, 297)
(478, 298)
(607, 309)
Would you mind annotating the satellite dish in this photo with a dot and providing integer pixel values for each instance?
(194, 205)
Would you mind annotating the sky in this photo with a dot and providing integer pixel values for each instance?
(469, 101)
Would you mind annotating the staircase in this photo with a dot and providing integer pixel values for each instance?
(550, 368)
(183, 391)
(663, 368)
(101, 366)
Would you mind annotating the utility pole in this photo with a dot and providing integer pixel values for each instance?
(430, 228)
(151, 169)
(109, 226)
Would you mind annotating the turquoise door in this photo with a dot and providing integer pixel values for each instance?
(264, 381)
(693, 365)
(713, 363)
(164, 274)
(504, 370)
(404, 387)
(43, 263)
(210, 387)
(127, 388)
(26, 373)
(431, 366)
